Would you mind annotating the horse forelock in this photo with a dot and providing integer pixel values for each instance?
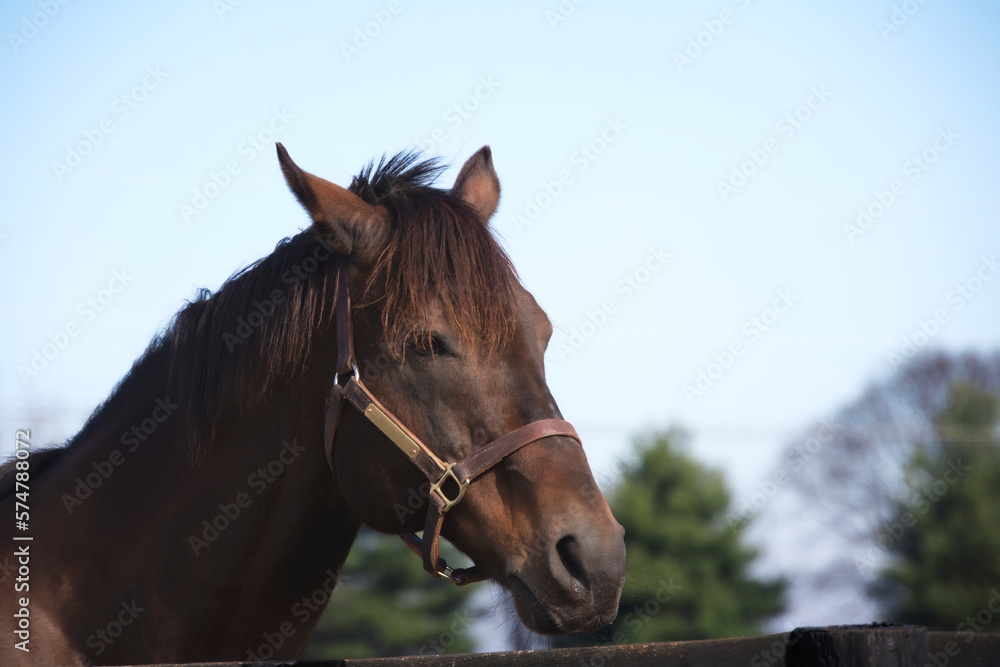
(439, 253)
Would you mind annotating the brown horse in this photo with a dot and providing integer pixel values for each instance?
(195, 513)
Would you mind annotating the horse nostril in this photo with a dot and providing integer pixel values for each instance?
(568, 549)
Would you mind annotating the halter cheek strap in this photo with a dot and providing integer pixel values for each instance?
(448, 481)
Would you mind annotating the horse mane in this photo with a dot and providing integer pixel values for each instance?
(221, 359)
(40, 460)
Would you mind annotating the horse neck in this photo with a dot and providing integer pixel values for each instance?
(220, 552)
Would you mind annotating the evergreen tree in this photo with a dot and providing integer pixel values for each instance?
(687, 569)
(385, 604)
(847, 481)
(944, 538)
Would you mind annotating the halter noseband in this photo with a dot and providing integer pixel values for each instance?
(353, 392)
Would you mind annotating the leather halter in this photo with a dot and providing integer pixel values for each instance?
(439, 473)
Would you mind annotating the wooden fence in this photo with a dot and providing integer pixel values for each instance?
(836, 646)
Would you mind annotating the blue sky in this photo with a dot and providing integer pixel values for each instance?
(681, 187)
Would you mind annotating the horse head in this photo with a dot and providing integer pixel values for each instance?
(453, 345)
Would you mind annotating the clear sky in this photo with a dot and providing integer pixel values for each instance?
(737, 213)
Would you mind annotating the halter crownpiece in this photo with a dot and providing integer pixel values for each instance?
(442, 475)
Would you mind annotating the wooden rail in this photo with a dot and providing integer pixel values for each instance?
(835, 646)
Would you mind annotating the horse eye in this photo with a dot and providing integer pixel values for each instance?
(428, 345)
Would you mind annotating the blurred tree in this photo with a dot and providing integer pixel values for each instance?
(687, 569)
(385, 604)
(846, 490)
(944, 539)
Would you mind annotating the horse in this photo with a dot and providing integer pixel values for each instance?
(222, 482)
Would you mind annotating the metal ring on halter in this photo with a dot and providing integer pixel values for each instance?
(448, 572)
(357, 376)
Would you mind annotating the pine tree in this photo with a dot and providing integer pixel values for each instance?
(385, 604)
(944, 539)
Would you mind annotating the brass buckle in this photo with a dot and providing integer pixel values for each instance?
(436, 488)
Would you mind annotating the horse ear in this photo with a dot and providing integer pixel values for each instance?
(477, 184)
(347, 223)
